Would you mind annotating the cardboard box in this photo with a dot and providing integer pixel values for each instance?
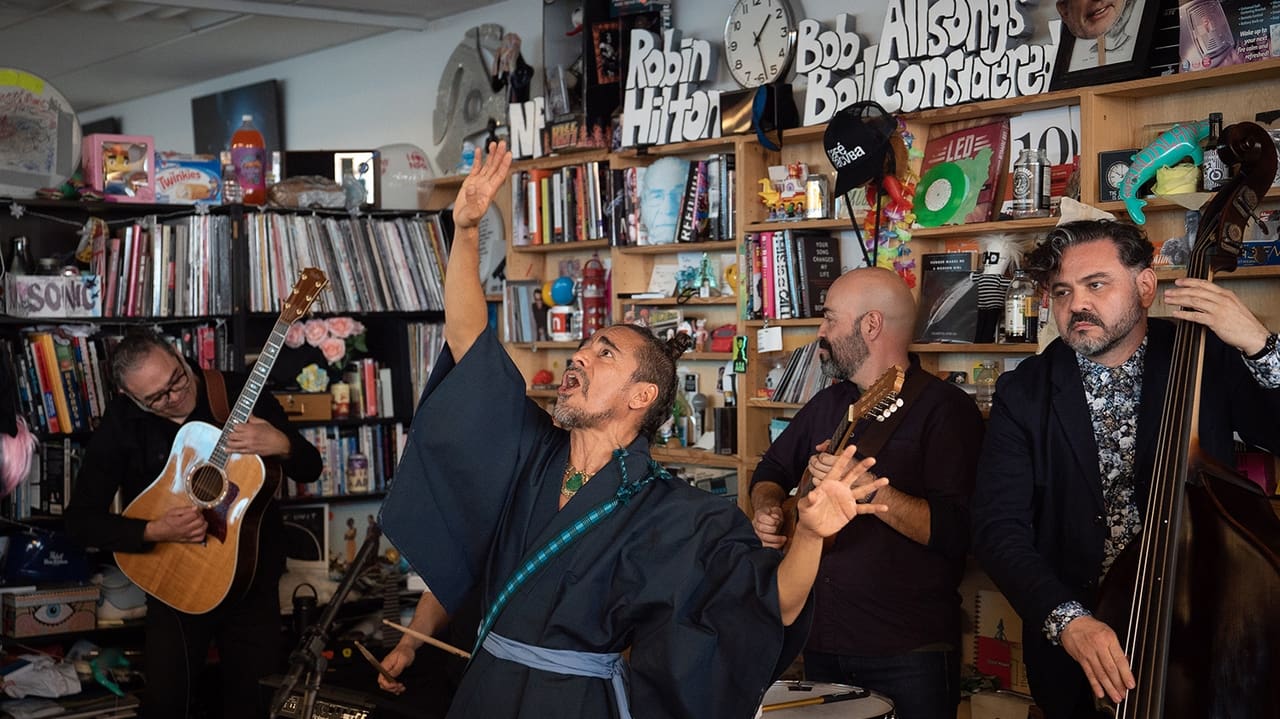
(121, 167)
(51, 611)
(188, 178)
(306, 406)
(52, 296)
(1215, 33)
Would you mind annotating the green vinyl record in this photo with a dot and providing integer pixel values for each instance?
(941, 195)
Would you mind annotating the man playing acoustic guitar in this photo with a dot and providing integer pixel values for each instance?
(159, 393)
(886, 607)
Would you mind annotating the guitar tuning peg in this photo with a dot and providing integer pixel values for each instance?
(898, 403)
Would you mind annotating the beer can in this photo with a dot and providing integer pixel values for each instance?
(815, 197)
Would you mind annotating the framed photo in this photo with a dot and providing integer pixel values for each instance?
(1092, 52)
(216, 117)
(606, 44)
(306, 533)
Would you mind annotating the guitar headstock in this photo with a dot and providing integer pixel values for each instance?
(881, 398)
(305, 291)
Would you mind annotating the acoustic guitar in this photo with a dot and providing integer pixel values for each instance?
(232, 491)
(878, 404)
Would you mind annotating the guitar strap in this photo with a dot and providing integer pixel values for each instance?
(216, 388)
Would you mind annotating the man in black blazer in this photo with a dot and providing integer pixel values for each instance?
(1064, 472)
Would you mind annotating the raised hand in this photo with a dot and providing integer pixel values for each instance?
(834, 501)
(481, 186)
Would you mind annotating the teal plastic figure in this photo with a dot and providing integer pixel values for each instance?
(1173, 146)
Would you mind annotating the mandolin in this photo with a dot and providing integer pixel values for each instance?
(879, 404)
(232, 490)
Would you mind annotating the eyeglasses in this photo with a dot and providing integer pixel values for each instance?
(177, 384)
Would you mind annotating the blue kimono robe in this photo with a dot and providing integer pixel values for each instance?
(676, 574)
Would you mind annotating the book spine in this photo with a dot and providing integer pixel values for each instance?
(767, 276)
(782, 286)
(685, 231)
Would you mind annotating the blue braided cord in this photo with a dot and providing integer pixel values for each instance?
(543, 556)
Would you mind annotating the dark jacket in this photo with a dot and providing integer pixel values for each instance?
(128, 452)
(1038, 513)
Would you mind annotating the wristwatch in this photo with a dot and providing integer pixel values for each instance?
(1267, 348)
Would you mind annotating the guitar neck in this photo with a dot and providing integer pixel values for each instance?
(252, 389)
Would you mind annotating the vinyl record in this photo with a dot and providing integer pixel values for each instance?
(39, 135)
(941, 194)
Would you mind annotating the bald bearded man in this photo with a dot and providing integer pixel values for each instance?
(886, 606)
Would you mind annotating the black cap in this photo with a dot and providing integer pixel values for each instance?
(856, 141)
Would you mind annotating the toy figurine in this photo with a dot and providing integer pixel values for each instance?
(511, 71)
(1172, 146)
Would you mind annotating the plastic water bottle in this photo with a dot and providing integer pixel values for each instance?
(232, 192)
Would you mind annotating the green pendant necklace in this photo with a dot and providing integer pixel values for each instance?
(573, 481)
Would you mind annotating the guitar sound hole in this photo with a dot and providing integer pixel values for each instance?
(207, 484)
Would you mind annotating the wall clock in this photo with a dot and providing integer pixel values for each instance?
(759, 41)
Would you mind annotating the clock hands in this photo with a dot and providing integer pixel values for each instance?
(763, 63)
(767, 18)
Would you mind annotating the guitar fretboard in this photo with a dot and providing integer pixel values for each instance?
(252, 389)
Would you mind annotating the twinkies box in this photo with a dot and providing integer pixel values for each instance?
(51, 611)
(193, 179)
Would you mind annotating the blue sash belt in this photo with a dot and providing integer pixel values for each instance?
(606, 665)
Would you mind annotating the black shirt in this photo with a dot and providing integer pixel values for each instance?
(879, 593)
(128, 452)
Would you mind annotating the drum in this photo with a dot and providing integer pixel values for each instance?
(836, 701)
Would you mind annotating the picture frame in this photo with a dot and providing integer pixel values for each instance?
(217, 116)
(1077, 63)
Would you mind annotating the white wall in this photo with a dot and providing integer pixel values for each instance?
(383, 89)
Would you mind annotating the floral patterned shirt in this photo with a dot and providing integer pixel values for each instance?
(1112, 395)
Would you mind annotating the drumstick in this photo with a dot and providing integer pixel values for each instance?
(824, 699)
(368, 655)
(429, 640)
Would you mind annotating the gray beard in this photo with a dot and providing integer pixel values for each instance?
(1111, 336)
(845, 358)
(570, 418)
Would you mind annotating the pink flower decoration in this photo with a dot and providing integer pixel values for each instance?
(316, 332)
(341, 327)
(295, 337)
(333, 349)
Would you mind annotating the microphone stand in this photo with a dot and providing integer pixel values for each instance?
(308, 658)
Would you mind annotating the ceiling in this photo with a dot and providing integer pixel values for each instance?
(100, 52)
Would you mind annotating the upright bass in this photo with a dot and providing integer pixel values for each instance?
(1196, 599)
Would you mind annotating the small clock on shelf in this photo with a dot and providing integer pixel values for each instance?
(759, 41)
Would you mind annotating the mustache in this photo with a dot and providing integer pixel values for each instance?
(824, 344)
(1089, 317)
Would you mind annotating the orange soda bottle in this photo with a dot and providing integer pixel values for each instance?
(248, 157)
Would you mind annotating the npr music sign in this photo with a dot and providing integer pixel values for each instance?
(659, 105)
(929, 55)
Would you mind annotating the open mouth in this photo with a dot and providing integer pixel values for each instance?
(569, 382)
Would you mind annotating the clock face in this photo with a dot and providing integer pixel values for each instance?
(1116, 173)
(759, 40)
